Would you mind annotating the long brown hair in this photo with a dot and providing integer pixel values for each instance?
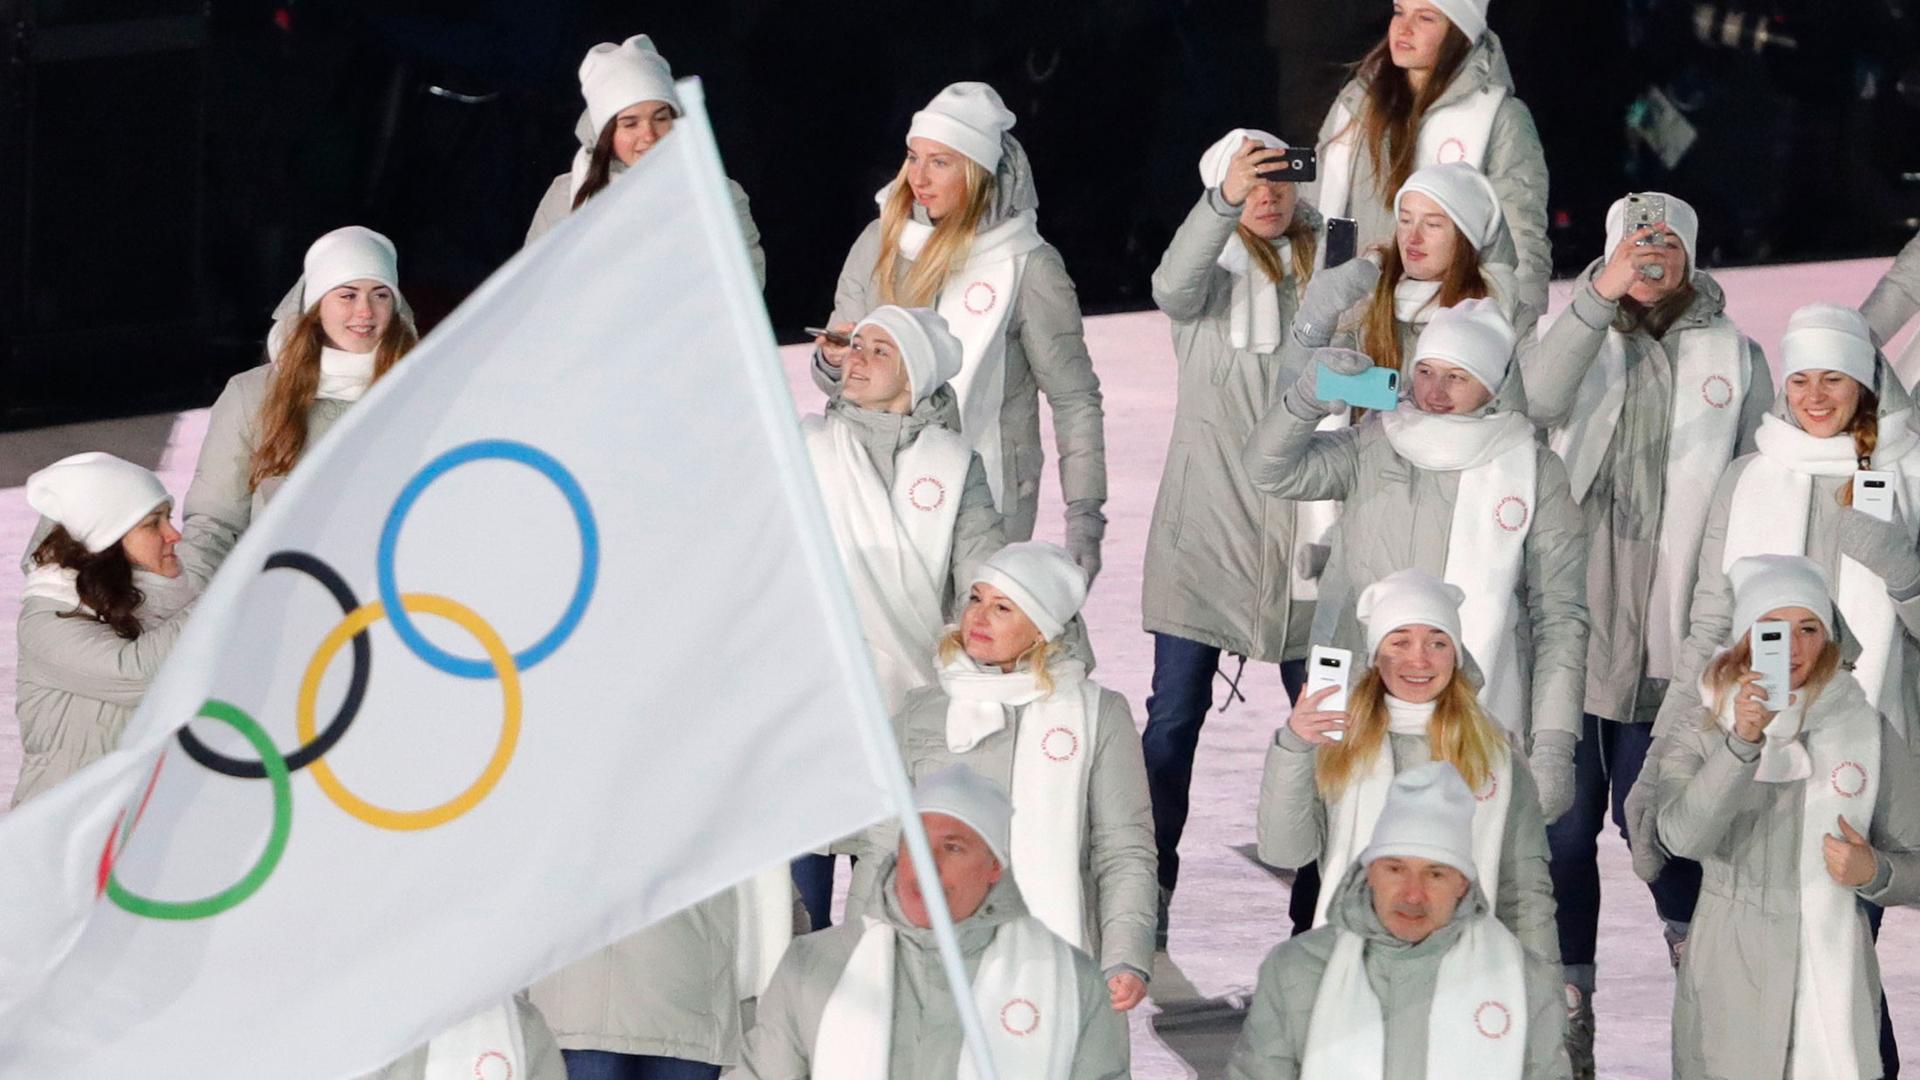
(104, 580)
(1658, 319)
(943, 252)
(1391, 112)
(1723, 674)
(1459, 734)
(1865, 429)
(599, 165)
(1304, 242)
(295, 383)
(1380, 326)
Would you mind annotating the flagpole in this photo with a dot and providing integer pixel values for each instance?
(882, 754)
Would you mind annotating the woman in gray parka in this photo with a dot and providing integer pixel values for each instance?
(957, 232)
(89, 643)
(1219, 554)
(1796, 816)
(1437, 89)
(631, 105)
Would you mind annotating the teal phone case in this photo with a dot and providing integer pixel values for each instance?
(1376, 388)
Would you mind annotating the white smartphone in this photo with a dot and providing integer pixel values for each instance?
(1772, 644)
(1328, 666)
(1873, 493)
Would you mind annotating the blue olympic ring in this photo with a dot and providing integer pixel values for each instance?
(505, 450)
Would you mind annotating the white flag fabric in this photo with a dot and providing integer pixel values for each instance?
(545, 641)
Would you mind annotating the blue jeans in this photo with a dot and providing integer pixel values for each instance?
(606, 1065)
(813, 877)
(1605, 766)
(1182, 694)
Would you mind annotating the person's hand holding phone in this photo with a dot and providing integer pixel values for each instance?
(834, 344)
(1750, 715)
(1311, 723)
(1252, 159)
(1624, 265)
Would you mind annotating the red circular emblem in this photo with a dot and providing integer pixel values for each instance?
(1717, 391)
(979, 298)
(1059, 744)
(1493, 1019)
(927, 493)
(1493, 788)
(1511, 513)
(492, 1065)
(1451, 151)
(1849, 779)
(1020, 1017)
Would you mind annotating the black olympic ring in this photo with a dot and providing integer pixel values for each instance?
(356, 686)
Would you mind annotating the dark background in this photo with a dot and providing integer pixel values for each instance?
(163, 165)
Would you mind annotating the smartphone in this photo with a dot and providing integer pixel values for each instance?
(1297, 164)
(1873, 493)
(1328, 666)
(1343, 240)
(1376, 388)
(1772, 644)
(831, 336)
(1645, 211)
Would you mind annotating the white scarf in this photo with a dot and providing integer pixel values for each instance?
(1351, 818)
(976, 301)
(1493, 513)
(1461, 131)
(1772, 505)
(344, 376)
(1710, 383)
(487, 1046)
(1052, 759)
(1842, 737)
(896, 545)
(1414, 302)
(1253, 312)
(57, 583)
(1476, 1029)
(764, 907)
(1025, 987)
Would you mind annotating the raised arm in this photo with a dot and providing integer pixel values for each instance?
(1187, 270)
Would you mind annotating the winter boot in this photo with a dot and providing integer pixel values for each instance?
(1580, 1020)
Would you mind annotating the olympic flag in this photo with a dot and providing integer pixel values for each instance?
(545, 641)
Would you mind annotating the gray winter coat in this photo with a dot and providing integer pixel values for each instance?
(1218, 552)
(557, 203)
(1397, 515)
(1622, 513)
(668, 991)
(1896, 296)
(1046, 353)
(219, 504)
(1733, 1005)
(1117, 868)
(78, 684)
(927, 1039)
(1516, 163)
(1291, 831)
(543, 1054)
(1273, 1041)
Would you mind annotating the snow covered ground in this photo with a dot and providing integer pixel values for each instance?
(1229, 911)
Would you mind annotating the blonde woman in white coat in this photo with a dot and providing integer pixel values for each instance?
(631, 105)
(1796, 814)
(956, 231)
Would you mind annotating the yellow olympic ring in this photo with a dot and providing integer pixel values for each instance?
(504, 669)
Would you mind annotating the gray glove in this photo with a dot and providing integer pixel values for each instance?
(1086, 527)
(1883, 548)
(1303, 398)
(1331, 294)
(1552, 766)
(1643, 836)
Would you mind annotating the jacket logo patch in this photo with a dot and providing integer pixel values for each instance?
(927, 494)
(492, 1065)
(1059, 744)
(1849, 779)
(1020, 1017)
(1717, 391)
(979, 298)
(1511, 513)
(1451, 151)
(1493, 1020)
(1493, 788)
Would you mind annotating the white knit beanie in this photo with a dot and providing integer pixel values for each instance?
(1219, 157)
(1469, 15)
(1409, 598)
(613, 77)
(1682, 220)
(1830, 337)
(959, 792)
(353, 253)
(95, 496)
(968, 116)
(1428, 815)
(928, 350)
(1042, 579)
(1464, 192)
(1763, 583)
(1471, 334)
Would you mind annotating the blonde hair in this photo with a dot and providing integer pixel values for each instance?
(943, 252)
(1724, 671)
(1460, 734)
(295, 383)
(1304, 241)
(1034, 659)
